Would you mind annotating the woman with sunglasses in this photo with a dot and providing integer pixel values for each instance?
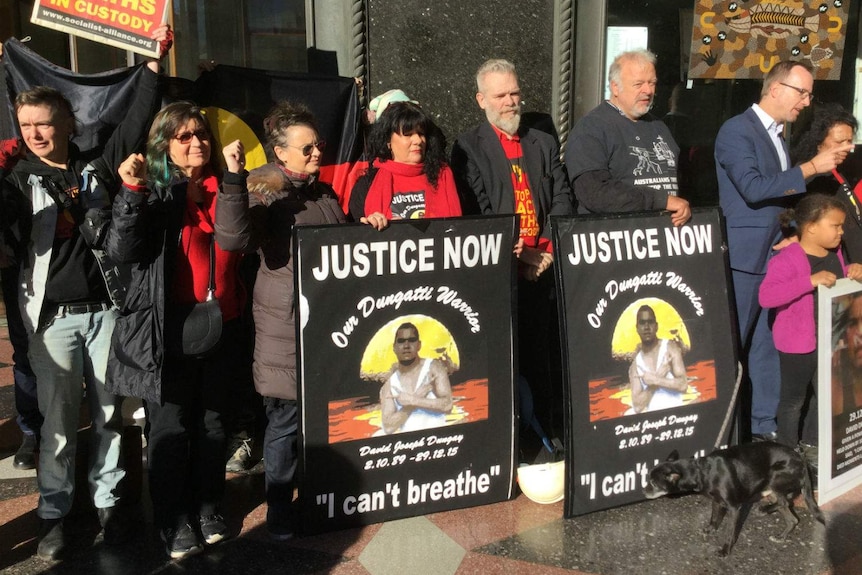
(408, 177)
(281, 194)
(163, 221)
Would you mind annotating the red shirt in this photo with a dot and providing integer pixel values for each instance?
(523, 200)
(191, 276)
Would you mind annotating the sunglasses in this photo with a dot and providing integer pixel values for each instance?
(413, 339)
(306, 149)
(186, 137)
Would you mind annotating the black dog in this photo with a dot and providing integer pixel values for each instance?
(735, 479)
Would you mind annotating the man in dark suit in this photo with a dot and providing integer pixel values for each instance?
(755, 183)
(503, 168)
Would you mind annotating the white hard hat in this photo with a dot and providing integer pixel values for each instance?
(543, 482)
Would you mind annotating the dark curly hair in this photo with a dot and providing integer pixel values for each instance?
(808, 210)
(285, 114)
(407, 118)
(825, 117)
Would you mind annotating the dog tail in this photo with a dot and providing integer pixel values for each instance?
(808, 493)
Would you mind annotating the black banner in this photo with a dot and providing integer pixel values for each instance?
(99, 101)
(438, 293)
(650, 360)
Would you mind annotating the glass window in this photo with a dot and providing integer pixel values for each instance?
(695, 110)
(268, 34)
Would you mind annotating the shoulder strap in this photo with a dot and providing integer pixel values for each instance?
(62, 199)
(212, 287)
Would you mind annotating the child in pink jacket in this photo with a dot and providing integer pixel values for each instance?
(791, 279)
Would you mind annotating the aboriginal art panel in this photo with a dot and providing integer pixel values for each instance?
(735, 39)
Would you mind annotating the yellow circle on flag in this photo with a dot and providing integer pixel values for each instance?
(229, 127)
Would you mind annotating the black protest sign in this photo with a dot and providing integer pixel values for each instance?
(649, 354)
(406, 370)
(839, 392)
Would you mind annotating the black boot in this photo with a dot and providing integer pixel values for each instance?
(25, 457)
(117, 526)
(51, 539)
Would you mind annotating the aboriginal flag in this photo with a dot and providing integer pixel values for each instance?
(99, 101)
(249, 94)
(237, 100)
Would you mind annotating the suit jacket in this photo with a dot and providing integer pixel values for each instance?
(752, 190)
(483, 175)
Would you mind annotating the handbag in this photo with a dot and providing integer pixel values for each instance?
(201, 322)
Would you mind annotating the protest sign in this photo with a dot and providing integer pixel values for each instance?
(839, 394)
(648, 347)
(126, 25)
(421, 310)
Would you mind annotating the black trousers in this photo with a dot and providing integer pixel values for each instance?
(186, 445)
(798, 400)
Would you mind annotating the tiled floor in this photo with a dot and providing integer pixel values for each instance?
(518, 536)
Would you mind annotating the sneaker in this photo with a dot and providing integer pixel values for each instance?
(25, 457)
(181, 541)
(117, 527)
(213, 529)
(51, 539)
(240, 454)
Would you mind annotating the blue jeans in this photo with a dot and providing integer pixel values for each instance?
(73, 349)
(279, 460)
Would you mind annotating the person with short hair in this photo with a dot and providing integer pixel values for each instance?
(657, 374)
(756, 182)
(621, 158)
(281, 194)
(57, 203)
(502, 167)
(417, 394)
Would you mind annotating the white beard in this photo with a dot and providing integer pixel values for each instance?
(508, 126)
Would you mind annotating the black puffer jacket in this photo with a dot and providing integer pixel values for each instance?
(263, 220)
(144, 231)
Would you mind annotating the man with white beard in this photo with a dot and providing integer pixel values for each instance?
(501, 167)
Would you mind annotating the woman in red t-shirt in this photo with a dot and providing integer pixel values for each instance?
(408, 177)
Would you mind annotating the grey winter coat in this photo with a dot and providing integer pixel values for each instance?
(262, 220)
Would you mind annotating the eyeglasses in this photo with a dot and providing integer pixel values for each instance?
(186, 137)
(803, 93)
(306, 149)
(413, 339)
